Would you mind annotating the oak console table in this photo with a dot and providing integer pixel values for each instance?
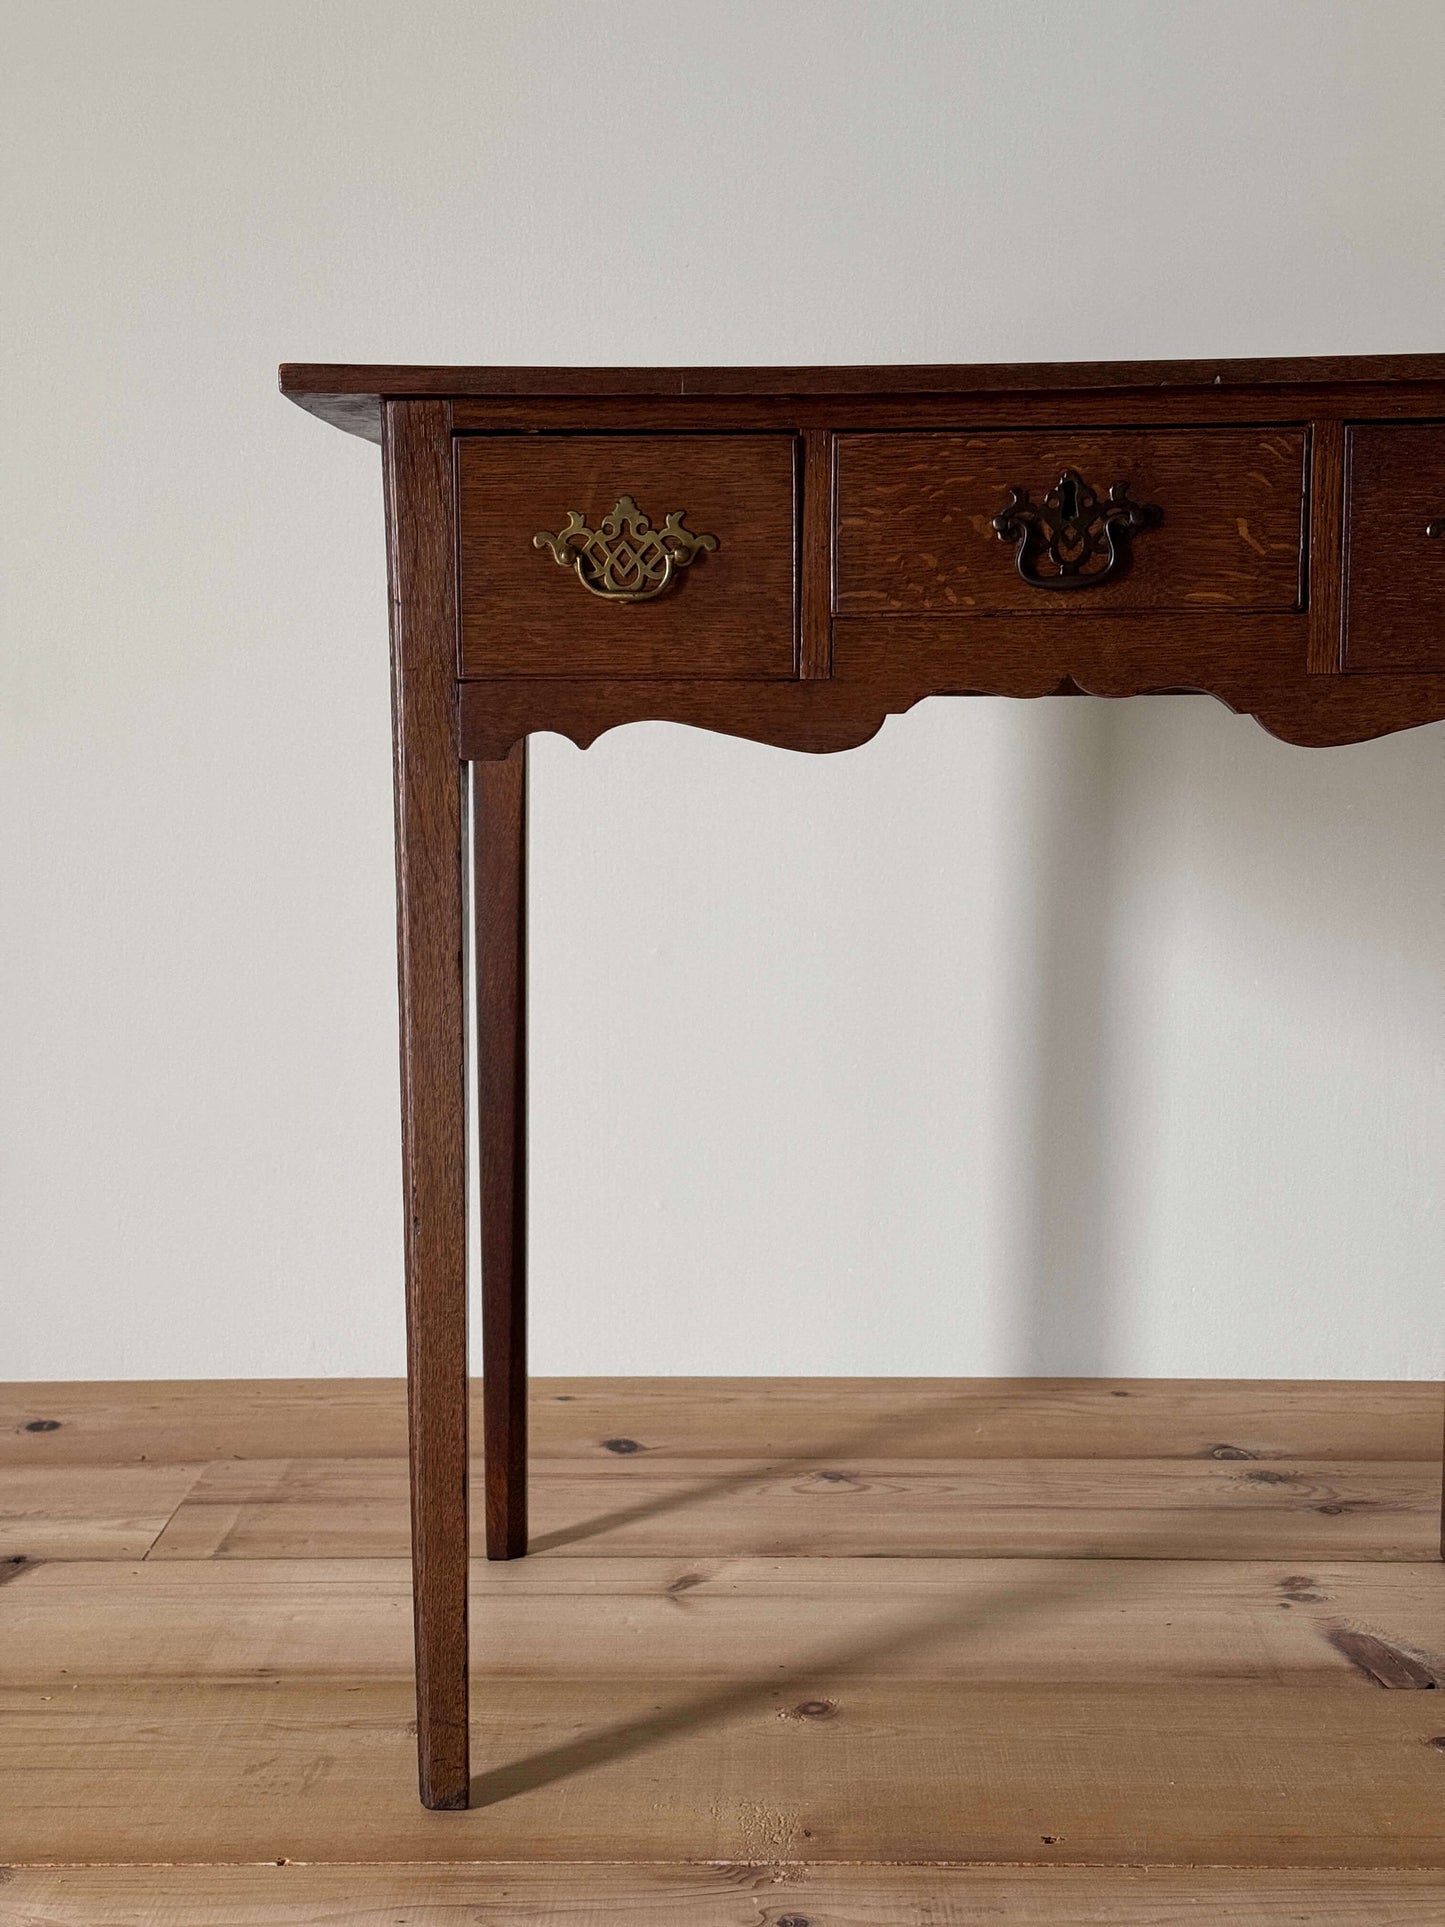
(793, 554)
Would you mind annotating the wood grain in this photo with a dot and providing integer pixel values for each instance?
(310, 381)
(884, 665)
(732, 612)
(522, 1894)
(754, 1738)
(815, 571)
(1130, 1622)
(846, 1506)
(813, 1766)
(915, 520)
(88, 1512)
(1395, 572)
(163, 1421)
(1010, 1418)
(1229, 544)
(499, 896)
(1326, 546)
(193, 1420)
(1046, 408)
(417, 470)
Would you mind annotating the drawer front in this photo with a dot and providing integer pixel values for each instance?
(1395, 555)
(1205, 519)
(614, 593)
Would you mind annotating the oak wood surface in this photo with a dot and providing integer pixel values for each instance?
(499, 897)
(815, 556)
(1229, 543)
(341, 391)
(1395, 571)
(732, 612)
(833, 378)
(1045, 408)
(420, 525)
(1326, 546)
(885, 666)
(915, 520)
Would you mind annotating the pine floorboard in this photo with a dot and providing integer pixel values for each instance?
(114, 1422)
(932, 1653)
(682, 1895)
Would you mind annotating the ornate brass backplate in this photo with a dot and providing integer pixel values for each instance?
(624, 559)
(1070, 531)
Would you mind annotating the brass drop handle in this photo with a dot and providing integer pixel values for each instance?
(1055, 540)
(624, 559)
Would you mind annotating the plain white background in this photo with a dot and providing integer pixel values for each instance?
(1067, 1037)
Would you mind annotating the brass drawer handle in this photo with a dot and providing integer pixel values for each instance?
(1071, 528)
(1435, 528)
(624, 559)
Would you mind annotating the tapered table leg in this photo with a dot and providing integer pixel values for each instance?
(416, 447)
(499, 829)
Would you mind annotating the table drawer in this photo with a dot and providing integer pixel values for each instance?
(1395, 554)
(625, 587)
(1202, 519)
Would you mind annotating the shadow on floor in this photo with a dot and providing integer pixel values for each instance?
(1125, 1569)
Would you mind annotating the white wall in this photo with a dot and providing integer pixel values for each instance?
(1066, 1037)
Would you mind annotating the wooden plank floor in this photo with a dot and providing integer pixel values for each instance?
(929, 1653)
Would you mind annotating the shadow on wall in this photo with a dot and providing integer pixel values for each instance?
(1054, 1090)
(1057, 1038)
(1229, 944)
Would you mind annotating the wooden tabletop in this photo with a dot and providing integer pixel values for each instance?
(346, 393)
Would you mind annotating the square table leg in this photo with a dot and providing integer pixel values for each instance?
(430, 777)
(499, 895)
